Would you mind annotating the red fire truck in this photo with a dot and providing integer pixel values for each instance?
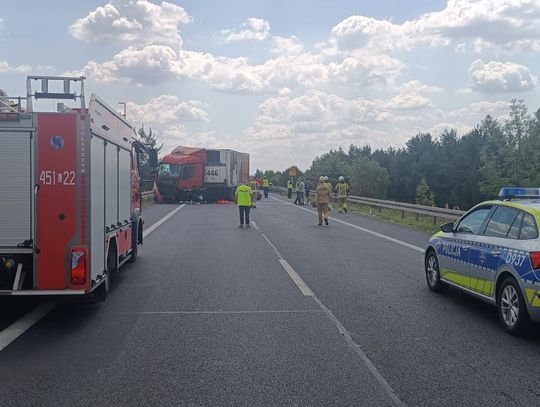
(70, 213)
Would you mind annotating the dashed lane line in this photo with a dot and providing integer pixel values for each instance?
(24, 323)
(371, 232)
(304, 288)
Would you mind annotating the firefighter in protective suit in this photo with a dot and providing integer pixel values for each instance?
(254, 191)
(342, 191)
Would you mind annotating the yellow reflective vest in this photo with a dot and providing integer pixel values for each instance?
(243, 193)
(289, 185)
(266, 183)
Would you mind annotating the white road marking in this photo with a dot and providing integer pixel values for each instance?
(293, 311)
(380, 235)
(24, 323)
(162, 220)
(20, 326)
(396, 401)
(302, 286)
(296, 278)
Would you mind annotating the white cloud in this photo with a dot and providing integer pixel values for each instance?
(5, 67)
(485, 23)
(308, 125)
(149, 65)
(437, 129)
(166, 110)
(158, 63)
(287, 46)
(253, 29)
(285, 92)
(497, 76)
(168, 117)
(415, 86)
(408, 101)
(132, 22)
(480, 109)
(357, 32)
(478, 24)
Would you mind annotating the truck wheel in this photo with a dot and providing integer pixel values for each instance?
(512, 308)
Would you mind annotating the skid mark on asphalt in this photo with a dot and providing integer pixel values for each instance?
(371, 232)
(396, 401)
(24, 323)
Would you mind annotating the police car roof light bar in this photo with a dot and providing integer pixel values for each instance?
(515, 192)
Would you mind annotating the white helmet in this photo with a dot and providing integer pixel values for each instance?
(341, 178)
(325, 178)
(321, 178)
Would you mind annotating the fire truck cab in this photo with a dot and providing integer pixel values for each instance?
(70, 213)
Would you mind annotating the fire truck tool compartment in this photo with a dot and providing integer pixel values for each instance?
(16, 188)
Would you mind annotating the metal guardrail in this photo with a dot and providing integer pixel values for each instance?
(435, 212)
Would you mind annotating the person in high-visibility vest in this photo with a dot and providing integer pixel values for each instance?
(289, 188)
(266, 185)
(342, 191)
(243, 199)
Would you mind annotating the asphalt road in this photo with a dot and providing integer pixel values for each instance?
(286, 313)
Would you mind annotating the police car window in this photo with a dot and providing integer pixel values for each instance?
(501, 221)
(513, 233)
(528, 228)
(472, 223)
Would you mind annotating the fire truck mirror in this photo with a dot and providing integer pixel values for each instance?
(153, 158)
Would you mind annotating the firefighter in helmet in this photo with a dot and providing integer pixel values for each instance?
(342, 191)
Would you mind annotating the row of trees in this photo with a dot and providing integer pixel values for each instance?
(444, 170)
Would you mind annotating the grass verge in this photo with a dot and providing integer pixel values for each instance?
(419, 222)
(411, 220)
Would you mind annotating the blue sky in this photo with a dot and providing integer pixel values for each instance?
(284, 80)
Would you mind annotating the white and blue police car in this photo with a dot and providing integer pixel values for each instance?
(493, 253)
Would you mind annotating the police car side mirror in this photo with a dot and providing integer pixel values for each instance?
(447, 227)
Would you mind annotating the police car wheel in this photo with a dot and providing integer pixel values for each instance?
(433, 275)
(512, 308)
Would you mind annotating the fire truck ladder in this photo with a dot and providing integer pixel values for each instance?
(67, 94)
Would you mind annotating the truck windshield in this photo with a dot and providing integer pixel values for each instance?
(174, 169)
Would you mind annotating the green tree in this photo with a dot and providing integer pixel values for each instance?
(516, 131)
(424, 196)
(150, 140)
(369, 179)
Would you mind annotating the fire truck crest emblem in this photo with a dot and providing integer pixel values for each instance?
(57, 142)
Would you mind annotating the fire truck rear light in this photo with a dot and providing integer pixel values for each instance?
(78, 266)
(535, 260)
